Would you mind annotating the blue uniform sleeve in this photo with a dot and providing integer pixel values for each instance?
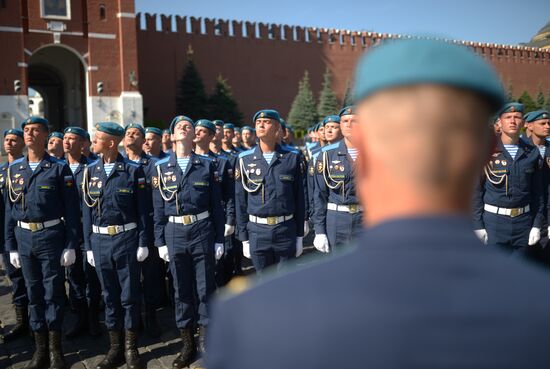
(320, 200)
(537, 200)
(301, 194)
(218, 216)
(159, 216)
(9, 227)
(228, 185)
(86, 224)
(140, 189)
(479, 192)
(241, 204)
(71, 212)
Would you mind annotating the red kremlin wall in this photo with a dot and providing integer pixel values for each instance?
(264, 62)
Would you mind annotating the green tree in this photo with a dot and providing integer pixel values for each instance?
(547, 104)
(347, 96)
(191, 99)
(510, 92)
(222, 105)
(540, 98)
(328, 104)
(303, 112)
(528, 103)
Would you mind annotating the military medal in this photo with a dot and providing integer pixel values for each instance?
(173, 178)
(258, 171)
(497, 161)
(504, 162)
(99, 184)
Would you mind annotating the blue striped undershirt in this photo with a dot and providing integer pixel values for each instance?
(183, 163)
(352, 152)
(268, 156)
(512, 150)
(542, 150)
(73, 167)
(108, 168)
(33, 165)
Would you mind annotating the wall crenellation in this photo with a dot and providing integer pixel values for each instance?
(287, 33)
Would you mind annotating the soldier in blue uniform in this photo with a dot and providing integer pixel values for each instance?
(82, 277)
(338, 216)
(270, 197)
(115, 210)
(314, 152)
(55, 145)
(189, 231)
(333, 132)
(153, 143)
(204, 132)
(13, 146)
(166, 141)
(227, 139)
(41, 235)
(152, 268)
(508, 201)
(249, 137)
(420, 291)
(216, 144)
(237, 140)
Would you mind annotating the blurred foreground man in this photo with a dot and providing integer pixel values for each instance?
(420, 291)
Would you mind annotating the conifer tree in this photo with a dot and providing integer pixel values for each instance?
(347, 96)
(191, 99)
(540, 98)
(328, 104)
(222, 105)
(528, 103)
(303, 112)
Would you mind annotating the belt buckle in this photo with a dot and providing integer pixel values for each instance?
(353, 208)
(514, 212)
(271, 220)
(112, 230)
(35, 227)
(186, 219)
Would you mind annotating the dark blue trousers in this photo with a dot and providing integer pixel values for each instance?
(192, 263)
(153, 272)
(342, 227)
(119, 273)
(18, 289)
(271, 244)
(508, 234)
(40, 254)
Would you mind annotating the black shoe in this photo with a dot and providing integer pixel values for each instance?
(40, 359)
(93, 320)
(188, 350)
(115, 355)
(57, 361)
(81, 325)
(130, 350)
(21, 327)
(152, 328)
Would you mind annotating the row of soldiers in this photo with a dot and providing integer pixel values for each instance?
(109, 220)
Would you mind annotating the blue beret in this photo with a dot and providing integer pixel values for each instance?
(331, 118)
(247, 128)
(283, 124)
(87, 135)
(536, 115)
(218, 123)
(238, 129)
(35, 120)
(348, 110)
(267, 113)
(229, 126)
(166, 131)
(77, 131)
(137, 126)
(510, 108)
(154, 130)
(206, 124)
(56, 135)
(111, 128)
(420, 61)
(180, 118)
(317, 126)
(13, 131)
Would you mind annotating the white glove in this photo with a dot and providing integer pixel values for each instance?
(219, 249)
(142, 253)
(229, 230)
(321, 242)
(246, 249)
(482, 235)
(306, 228)
(68, 257)
(534, 236)
(163, 253)
(15, 260)
(90, 258)
(299, 246)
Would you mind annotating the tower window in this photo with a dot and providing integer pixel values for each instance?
(102, 15)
